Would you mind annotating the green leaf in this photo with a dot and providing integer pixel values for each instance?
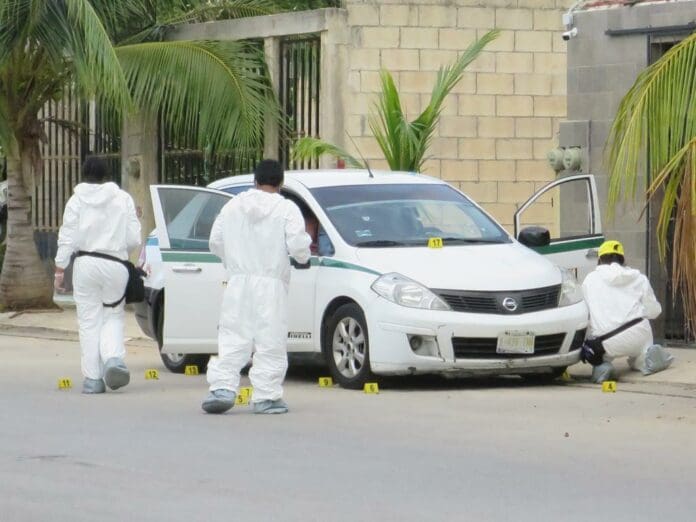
(308, 148)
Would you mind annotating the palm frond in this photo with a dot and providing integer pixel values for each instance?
(654, 132)
(214, 90)
(309, 148)
(17, 17)
(654, 120)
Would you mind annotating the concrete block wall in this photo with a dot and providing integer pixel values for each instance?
(500, 120)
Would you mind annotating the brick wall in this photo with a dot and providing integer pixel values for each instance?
(500, 120)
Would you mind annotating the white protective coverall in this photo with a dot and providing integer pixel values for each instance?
(98, 218)
(253, 235)
(616, 295)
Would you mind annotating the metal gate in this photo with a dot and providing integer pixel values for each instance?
(182, 163)
(73, 130)
(298, 92)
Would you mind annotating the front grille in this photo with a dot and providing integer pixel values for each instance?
(492, 302)
(484, 347)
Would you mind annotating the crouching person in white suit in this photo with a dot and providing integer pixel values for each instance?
(621, 302)
(253, 235)
(101, 218)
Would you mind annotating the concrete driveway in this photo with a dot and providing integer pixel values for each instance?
(423, 449)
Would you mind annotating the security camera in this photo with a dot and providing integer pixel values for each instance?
(570, 34)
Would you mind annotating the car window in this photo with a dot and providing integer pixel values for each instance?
(189, 216)
(393, 215)
(237, 189)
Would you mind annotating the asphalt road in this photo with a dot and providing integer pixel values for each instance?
(423, 449)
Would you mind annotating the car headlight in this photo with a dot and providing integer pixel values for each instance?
(571, 291)
(407, 292)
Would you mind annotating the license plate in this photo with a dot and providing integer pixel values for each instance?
(516, 342)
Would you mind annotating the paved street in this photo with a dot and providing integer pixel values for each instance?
(423, 449)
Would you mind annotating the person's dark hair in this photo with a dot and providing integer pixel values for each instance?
(94, 170)
(269, 172)
(608, 259)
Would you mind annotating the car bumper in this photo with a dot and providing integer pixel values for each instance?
(463, 343)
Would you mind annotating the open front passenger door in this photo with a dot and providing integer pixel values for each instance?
(569, 209)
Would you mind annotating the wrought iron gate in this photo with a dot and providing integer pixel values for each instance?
(298, 91)
(73, 130)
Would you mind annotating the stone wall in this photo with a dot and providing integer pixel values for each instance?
(500, 120)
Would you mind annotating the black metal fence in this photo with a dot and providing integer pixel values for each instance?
(73, 130)
(298, 92)
(182, 163)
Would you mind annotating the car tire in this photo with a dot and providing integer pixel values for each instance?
(544, 378)
(177, 362)
(347, 348)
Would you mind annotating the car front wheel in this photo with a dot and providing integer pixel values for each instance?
(177, 362)
(347, 347)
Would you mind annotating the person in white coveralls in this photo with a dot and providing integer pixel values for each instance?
(99, 217)
(621, 302)
(253, 236)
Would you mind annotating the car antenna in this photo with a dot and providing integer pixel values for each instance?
(367, 165)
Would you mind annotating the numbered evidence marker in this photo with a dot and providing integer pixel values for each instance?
(609, 386)
(371, 387)
(191, 369)
(243, 396)
(566, 376)
(325, 382)
(64, 383)
(151, 374)
(435, 242)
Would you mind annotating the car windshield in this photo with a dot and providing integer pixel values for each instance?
(394, 215)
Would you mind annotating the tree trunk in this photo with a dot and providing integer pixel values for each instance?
(24, 281)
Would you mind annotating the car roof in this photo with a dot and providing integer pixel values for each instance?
(335, 178)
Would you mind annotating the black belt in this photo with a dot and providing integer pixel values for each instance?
(620, 329)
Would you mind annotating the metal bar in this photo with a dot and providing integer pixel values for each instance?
(301, 91)
(653, 31)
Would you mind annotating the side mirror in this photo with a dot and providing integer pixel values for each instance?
(534, 237)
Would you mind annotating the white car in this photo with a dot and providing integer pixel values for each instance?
(407, 276)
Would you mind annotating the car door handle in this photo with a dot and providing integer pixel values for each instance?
(187, 269)
(591, 253)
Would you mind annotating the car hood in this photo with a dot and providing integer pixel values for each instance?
(508, 266)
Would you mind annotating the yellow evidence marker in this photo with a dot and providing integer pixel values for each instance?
(191, 369)
(435, 242)
(609, 386)
(243, 396)
(566, 376)
(325, 382)
(371, 387)
(64, 383)
(151, 374)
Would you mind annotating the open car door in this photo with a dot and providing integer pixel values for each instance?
(194, 278)
(569, 209)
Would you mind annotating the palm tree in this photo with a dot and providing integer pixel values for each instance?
(114, 52)
(403, 143)
(655, 130)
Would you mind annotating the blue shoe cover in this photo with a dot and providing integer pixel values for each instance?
(602, 372)
(271, 407)
(91, 386)
(116, 375)
(219, 401)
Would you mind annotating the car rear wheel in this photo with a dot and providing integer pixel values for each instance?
(544, 378)
(347, 346)
(177, 362)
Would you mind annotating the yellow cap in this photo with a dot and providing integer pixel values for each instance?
(611, 247)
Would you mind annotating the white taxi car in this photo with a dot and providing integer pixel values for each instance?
(408, 275)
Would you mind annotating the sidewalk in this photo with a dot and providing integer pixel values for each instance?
(59, 323)
(63, 324)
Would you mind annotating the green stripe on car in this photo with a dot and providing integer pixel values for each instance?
(567, 246)
(207, 257)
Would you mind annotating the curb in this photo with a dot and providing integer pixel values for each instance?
(42, 332)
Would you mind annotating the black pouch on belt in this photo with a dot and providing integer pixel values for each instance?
(593, 351)
(135, 287)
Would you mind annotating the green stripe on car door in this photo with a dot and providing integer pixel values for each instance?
(207, 257)
(573, 244)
